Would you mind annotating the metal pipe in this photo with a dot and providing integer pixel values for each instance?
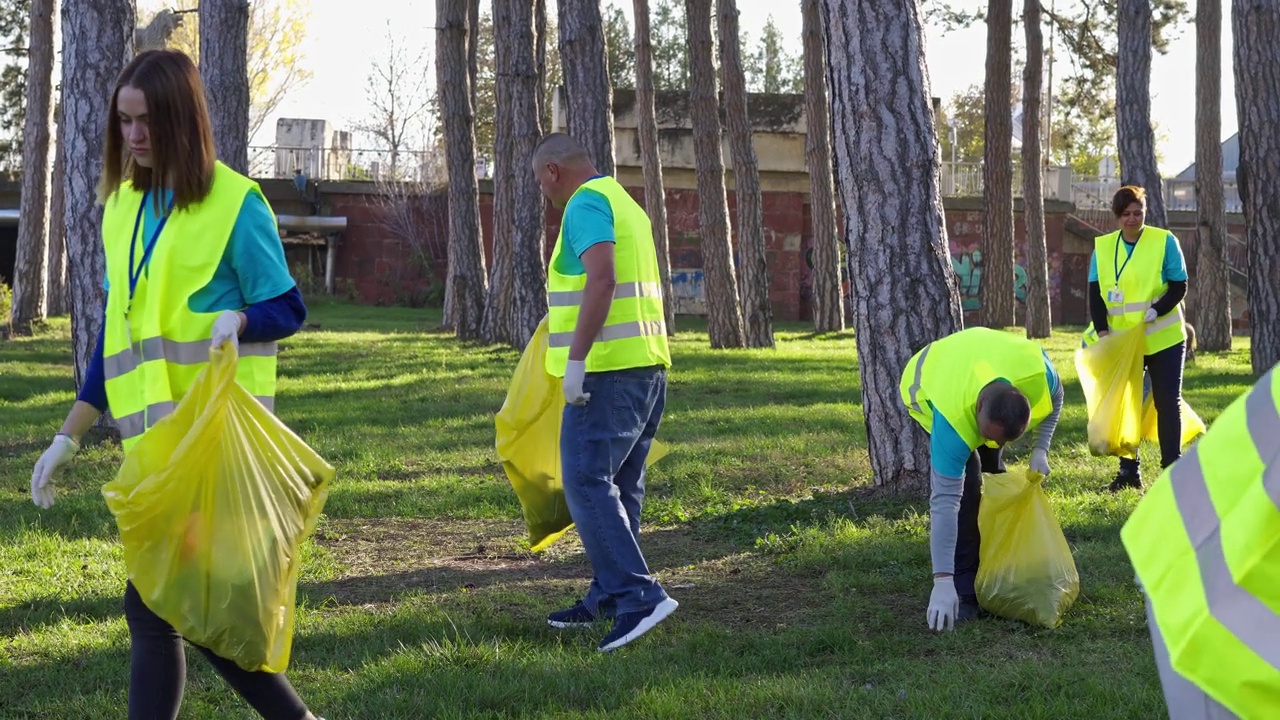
(318, 223)
(330, 258)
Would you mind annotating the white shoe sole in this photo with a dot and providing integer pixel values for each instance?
(569, 625)
(660, 613)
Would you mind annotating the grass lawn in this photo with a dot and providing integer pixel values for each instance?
(802, 591)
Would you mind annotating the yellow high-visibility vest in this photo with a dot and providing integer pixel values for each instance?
(1139, 279)
(1205, 544)
(950, 373)
(635, 331)
(154, 346)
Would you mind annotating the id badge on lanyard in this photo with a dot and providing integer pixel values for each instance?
(1115, 296)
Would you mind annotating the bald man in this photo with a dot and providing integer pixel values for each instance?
(608, 342)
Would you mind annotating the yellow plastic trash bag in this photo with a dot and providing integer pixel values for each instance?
(213, 504)
(528, 443)
(1110, 373)
(1192, 426)
(1025, 571)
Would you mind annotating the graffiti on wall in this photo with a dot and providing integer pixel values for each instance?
(689, 291)
(968, 267)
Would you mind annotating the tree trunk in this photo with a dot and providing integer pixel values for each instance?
(59, 301)
(904, 287)
(1212, 296)
(31, 267)
(1256, 26)
(465, 283)
(517, 285)
(757, 311)
(473, 46)
(588, 97)
(97, 41)
(540, 38)
(1039, 321)
(1135, 140)
(828, 296)
(224, 69)
(647, 128)
(724, 313)
(997, 289)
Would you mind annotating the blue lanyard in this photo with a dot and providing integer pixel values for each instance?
(135, 274)
(1115, 262)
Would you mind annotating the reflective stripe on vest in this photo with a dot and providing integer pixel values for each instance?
(195, 352)
(155, 346)
(634, 333)
(915, 383)
(1205, 543)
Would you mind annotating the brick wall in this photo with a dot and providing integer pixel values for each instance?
(380, 269)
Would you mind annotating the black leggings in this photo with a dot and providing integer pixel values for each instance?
(158, 672)
(1165, 369)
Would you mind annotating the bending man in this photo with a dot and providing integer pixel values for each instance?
(973, 392)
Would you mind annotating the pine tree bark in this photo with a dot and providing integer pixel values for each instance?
(753, 273)
(588, 97)
(465, 282)
(828, 297)
(1039, 321)
(1212, 288)
(997, 289)
(1135, 139)
(540, 34)
(224, 69)
(724, 311)
(904, 288)
(473, 45)
(31, 266)
(97, 41)
(647, 128)
(59, 300)
(517, 289)
(1256, 25)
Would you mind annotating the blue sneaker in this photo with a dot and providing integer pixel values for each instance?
(577, 616)
(629, 626)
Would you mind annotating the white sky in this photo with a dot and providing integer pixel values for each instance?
(345, 37)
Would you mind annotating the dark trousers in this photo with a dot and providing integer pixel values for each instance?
(1165, 370)
(158, 671)
(968, 539)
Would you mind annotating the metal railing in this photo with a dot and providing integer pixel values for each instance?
(283, 162)
(1091, 194)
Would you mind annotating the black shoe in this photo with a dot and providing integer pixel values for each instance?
(629, 626)
(577, 616)
(1125, 479)
(969, 610)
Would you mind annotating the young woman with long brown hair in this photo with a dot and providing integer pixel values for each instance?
(194, 260)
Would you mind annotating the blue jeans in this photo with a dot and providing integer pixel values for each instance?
(603, 447)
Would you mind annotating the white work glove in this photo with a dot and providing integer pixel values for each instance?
(1039, 462)
(1150, 316)
(226, 328)
(60, 452)
(944, 604)
(574, 373)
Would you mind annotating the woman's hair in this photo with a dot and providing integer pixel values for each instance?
(181, 134)
(1126, 196)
